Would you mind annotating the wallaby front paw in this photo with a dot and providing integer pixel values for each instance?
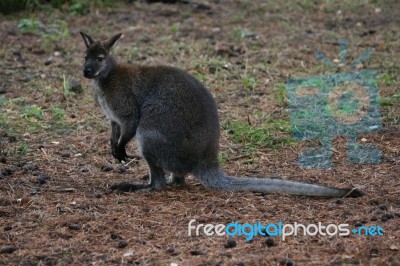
(119, 154)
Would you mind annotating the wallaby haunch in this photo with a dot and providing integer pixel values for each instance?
(175, 121)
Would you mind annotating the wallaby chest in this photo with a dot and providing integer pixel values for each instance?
(106, 103)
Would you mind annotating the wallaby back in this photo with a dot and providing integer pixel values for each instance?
(175, 121)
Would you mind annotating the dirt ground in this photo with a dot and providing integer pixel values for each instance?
(56, 165)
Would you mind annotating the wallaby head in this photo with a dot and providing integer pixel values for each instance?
(98, 59)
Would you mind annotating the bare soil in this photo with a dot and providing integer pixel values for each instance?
(56, 165)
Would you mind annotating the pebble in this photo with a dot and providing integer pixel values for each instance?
(383, 207)
(358, 224)
(122, 169)
(41, 179)
(106, 168)
(269, 242)
(48, 61)
(7, 250)
(287, 262)
(6, 172)
(84, 170)
(74, 227)
(339, 201)
(30, 167)
(7, 228)
(198, 252)
(387, 217)
(231, 243)
(114, 235)
(122, 244)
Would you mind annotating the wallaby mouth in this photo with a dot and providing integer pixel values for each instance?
(88, 73)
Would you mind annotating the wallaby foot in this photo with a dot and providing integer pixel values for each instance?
(129, 187)
(119, 154)
(157, 180)
(175, 180)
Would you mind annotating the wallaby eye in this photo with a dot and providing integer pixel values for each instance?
(99, 59)
(85, 58)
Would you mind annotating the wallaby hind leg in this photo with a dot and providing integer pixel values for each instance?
(175, 180)
(157, 180)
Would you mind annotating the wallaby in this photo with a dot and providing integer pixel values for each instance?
(175, 121)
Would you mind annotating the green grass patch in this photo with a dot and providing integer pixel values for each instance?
(263, 136)
(386, 101)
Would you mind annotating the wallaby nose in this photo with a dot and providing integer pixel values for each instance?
(87, 72)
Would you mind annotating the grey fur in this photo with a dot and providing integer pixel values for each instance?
(176, 124)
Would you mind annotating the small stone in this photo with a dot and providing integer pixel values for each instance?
(146, 209)
(387, 217)
(7, 228)
(65, 155)
(383, 207)
(122, 169)
(269, 242)
(231, 243)
(6, 172)
(339, 201)
(30, 167)
(84, 170)
(114, 235)
(48, 61)
(129, 253)
(41, 179)
(106, 168)
(172, 251)
(358, 224)
(373, 202)
(198, 252)
(287, 262)
(98, 196)
(74, 227)
(122, 244)
(374, 252)
(7, 250)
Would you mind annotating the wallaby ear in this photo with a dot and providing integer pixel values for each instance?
(110, 42)
(87, 39)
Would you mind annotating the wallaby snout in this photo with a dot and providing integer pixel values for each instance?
(87, 72)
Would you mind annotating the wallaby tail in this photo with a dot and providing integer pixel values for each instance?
(216, 179)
